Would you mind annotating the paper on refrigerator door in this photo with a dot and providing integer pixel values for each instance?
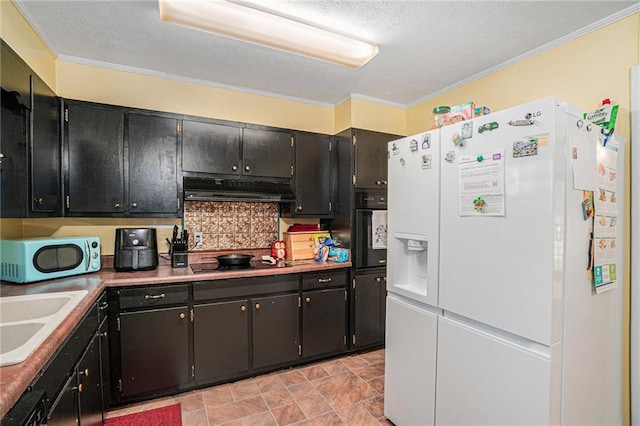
(583, 160)
(481, 184)
(606, 217)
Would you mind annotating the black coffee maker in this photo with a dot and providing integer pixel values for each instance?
(136, 249)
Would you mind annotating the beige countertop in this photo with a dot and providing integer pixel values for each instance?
(14, 379)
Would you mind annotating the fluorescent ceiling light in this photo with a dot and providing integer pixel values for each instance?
(256, 26)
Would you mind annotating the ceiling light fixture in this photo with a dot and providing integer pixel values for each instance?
(260, 27)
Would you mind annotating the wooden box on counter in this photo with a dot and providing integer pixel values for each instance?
(299, 245)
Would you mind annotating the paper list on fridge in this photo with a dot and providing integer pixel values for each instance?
(481, 184)
(606, 216)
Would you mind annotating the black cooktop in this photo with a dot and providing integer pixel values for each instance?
(205, 268)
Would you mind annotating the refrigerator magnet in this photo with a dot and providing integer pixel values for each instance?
(525, 148)
(488, 127)
(413, 145)
(478, 204)
(450, 156)
(426, 161)
(467, 130)
(426, 141)
(457, 140)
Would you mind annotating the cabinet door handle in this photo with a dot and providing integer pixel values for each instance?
(85, 372)
(382, 260)
(308, 300)
(103, 306)
(378, 182)
(324, 280)
(299, 208)
(257, 306)
(39, 201)
(134, 205)
(234, 168)
(153, 296)
(182, 315)
(243, 308)
(79, 388)
(116, 206)
(247, 168)
(378, 279)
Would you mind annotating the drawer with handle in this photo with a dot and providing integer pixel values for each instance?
(325, 279)
(153, 296)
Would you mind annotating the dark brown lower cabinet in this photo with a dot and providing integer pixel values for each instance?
(105, 370)
(220, 339)
(90, 385)
(323, 322)
(73, 377)
(276, 330)
(175, 337)
(369, 309)
(64, 411)
(154, 350)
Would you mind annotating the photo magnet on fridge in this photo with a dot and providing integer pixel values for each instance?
(426, 161)
(525, 148)
(426, 141)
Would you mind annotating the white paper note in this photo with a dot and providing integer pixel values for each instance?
(583, 160)
(481, 184)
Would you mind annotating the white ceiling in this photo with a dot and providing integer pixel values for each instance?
(426, 47)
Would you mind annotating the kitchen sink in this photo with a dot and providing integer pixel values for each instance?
(26, 321)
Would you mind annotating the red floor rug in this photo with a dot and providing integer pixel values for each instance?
(164, 416)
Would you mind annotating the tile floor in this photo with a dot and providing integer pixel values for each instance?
(340, 391)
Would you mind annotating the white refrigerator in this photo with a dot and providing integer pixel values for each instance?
(504, 303)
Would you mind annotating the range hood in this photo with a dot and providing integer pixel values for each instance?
(248, 190)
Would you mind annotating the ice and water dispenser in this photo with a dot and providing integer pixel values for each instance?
(409, 267)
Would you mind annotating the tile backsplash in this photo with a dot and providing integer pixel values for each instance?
(230, 225)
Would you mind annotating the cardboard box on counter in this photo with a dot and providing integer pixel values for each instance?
(300, 245)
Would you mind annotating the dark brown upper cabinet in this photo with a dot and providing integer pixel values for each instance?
(227, 148)
(267, 152)
(120, 162)
(211, 148)
(370, 157)
(30, 161)
(153, 164)
(313, 176)
(94, 148)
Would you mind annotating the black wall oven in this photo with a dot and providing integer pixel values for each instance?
(370, 229)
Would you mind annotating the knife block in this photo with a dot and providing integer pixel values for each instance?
(179, 260)
(179, 255)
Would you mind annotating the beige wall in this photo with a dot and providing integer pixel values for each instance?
(90, 83)
(369, 115)
(342, 114)
(103, 228)
(15, 30)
